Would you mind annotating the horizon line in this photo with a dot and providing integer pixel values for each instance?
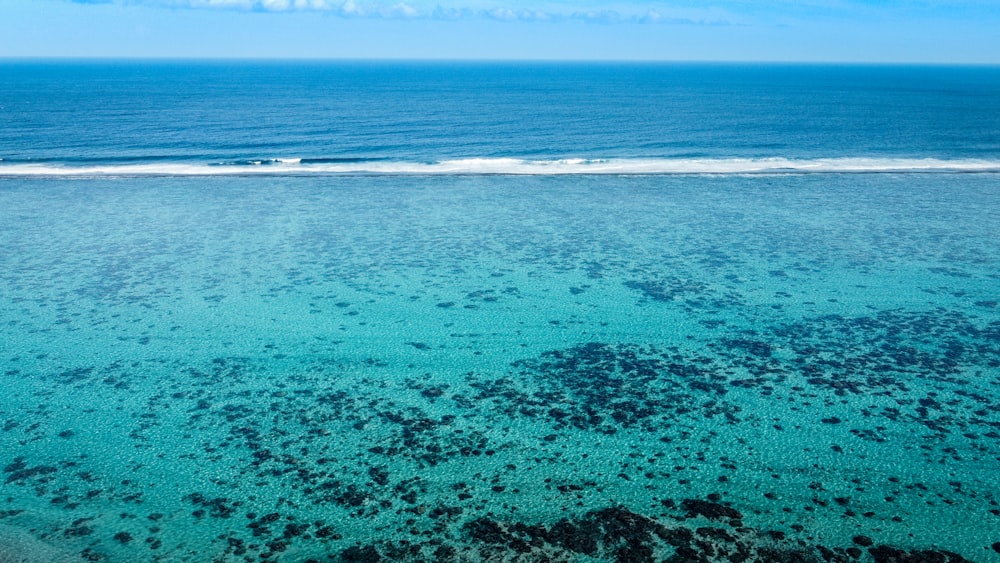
(268, 59)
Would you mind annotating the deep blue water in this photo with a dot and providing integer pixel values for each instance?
(105, 112)
(479, 312)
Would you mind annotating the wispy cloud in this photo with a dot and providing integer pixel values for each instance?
(422, 9)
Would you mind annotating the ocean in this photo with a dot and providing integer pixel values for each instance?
(394, 311)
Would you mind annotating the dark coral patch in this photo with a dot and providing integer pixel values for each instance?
(604, 387)
(709, 509)
(886, 554)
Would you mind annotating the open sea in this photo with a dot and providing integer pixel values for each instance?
(453, 312)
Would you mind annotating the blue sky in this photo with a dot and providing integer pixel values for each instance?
(964, 31)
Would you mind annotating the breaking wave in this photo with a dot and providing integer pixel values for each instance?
(501, 166)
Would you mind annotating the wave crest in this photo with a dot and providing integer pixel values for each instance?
(507, 166)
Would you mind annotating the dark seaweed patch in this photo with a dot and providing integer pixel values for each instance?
(18, 471)
(752, 347)
(217, 507)
(668, 289)
(709, 509)
(621, 535)
(886, 554)
(598, 386)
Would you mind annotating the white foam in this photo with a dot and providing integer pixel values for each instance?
(516, 166)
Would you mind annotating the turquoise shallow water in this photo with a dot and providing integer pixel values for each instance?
(497, 367)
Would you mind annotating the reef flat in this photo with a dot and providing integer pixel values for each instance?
(497, 368)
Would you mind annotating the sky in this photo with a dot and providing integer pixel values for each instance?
(908, 31)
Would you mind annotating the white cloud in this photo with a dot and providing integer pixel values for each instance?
(583, 10)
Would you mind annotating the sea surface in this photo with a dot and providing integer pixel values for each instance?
(356, 311)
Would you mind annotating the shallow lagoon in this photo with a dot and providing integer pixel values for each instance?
(478, 367)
